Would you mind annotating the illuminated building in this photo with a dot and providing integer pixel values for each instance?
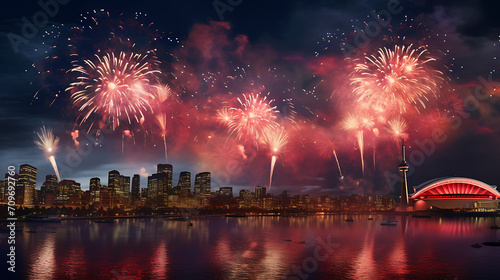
(136, 187)
(114, 179)
(49, 187)
(125, 188)
(3, 185)
(455, 193)
(260, 192)
(202, 183)
(226, 192)
(95, 187)
(26, 185)
(246, 195)
(164, 168)
(185, 182)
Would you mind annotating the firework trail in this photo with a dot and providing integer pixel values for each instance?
(161, 120)
(357, 124)
(328, 149)
(396, 79)
(114, 86)
(48, 143)
(276, 140)
(254, 119)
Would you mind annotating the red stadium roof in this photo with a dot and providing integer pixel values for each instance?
(455, 187)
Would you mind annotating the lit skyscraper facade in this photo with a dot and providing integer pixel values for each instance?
(114, 179)
(185, 182)
(202, 183)
(164, 168)
(136, 188)
(226, 192)
(95, 187)
(260, 192)
(27, 184)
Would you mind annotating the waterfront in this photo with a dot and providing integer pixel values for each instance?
(259, 248)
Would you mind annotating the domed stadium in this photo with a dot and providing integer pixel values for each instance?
(455, 193)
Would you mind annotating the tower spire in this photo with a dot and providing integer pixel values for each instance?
(403, 167)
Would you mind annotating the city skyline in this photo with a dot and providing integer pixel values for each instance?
(304, 81)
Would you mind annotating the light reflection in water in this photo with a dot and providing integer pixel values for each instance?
(43, 262)
(260, 248)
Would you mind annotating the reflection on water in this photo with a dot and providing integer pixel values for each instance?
(258, 248)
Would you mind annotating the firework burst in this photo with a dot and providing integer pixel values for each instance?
(396, 78)
(114, 87)
(397, 129)
(254, 119)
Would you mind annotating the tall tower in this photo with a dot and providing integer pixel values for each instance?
(202, 183)
(185, 182)
(27, 184)
(403, 167)
(136, 187)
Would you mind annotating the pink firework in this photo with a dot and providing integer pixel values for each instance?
(115, 87)
(276, 140)
(254, 119)
(397, 129)
(396, 79)
(358, 124)
(328, 148)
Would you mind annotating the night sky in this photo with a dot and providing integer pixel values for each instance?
(287, 49)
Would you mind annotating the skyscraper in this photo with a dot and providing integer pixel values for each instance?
(165, 178)
(95, 188)
(162, 167)
(136, 187)
(185, 182)
(27, 184)
(260, 192)
(114, 179)
(95, 184)
(125, 188)
(202, 183)
(226, 192)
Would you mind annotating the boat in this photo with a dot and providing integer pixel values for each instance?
(104, 221)
(243, 215)
(476, 245)
(492, 243)
(180, 219)
(370, 218)
(350, 219)
(421, 216)
(389, 223)
(43, 219)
